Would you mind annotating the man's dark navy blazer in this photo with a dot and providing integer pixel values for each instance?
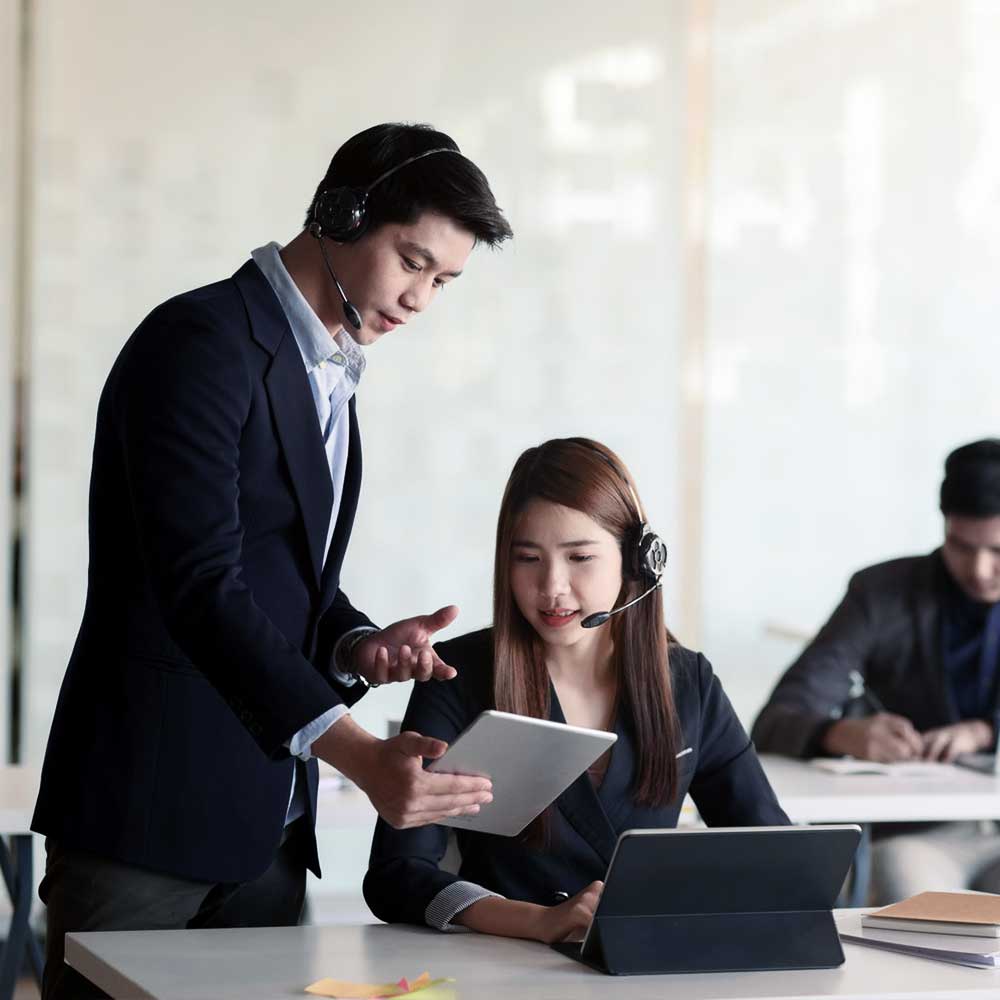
(210, 619)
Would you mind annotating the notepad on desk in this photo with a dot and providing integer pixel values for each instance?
(902, 769)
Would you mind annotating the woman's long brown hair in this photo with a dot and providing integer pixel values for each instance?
(587, 476)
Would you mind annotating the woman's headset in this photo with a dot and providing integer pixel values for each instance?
(644, 553)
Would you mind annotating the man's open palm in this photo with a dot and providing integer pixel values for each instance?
(403, 651)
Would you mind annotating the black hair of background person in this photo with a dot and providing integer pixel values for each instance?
(971, 484)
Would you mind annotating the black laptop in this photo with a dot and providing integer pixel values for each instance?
(720, 900)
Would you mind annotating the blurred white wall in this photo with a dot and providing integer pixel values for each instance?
(170, 140)
(850, 276)
(852, 339)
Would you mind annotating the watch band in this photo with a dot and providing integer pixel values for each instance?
(347, 653)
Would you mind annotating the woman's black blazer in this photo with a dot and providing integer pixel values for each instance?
(722, 775)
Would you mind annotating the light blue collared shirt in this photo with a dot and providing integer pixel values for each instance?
(334, 366)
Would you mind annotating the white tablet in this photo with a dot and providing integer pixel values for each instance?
(530, 762)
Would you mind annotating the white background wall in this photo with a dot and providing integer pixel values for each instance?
(852, 338)
(215, 145)
(851, 293)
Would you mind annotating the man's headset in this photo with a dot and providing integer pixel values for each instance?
(644, 553)
(341, 213)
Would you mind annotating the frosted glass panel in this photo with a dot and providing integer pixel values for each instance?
(853, 301)
(172, 140)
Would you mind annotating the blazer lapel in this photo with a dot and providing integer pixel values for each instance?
(580, 805)
(348, 507)
(293, 409)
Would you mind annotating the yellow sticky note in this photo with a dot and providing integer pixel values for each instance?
(340, 988)
(343, 990)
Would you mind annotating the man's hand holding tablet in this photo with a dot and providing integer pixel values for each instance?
(391, 773)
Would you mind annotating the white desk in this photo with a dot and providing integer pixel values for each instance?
(18, 790)
(280, 962)
(810, 795)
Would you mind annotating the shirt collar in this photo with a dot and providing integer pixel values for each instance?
(314, 340)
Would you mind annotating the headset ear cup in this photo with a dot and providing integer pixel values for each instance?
(340, 213)
(652, 555)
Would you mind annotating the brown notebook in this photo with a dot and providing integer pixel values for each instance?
(953, 907)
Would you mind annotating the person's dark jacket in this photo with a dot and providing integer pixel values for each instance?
(888, 629)
(210, 621)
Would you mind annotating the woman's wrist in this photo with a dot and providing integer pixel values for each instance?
(504, 917)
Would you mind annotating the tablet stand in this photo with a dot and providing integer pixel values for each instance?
(713, 942)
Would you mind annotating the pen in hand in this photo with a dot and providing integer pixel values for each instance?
(859, 689)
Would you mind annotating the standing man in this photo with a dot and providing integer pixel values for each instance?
(920, 637)
(218, 655)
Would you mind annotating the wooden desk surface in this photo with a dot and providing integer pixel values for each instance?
(271, 963)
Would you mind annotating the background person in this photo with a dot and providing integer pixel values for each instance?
(924, 633)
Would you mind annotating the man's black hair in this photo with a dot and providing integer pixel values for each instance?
(971, 486)
(450, 185)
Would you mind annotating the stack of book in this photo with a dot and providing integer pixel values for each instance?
(958, 927)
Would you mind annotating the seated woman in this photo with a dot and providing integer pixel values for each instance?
(571, 542)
